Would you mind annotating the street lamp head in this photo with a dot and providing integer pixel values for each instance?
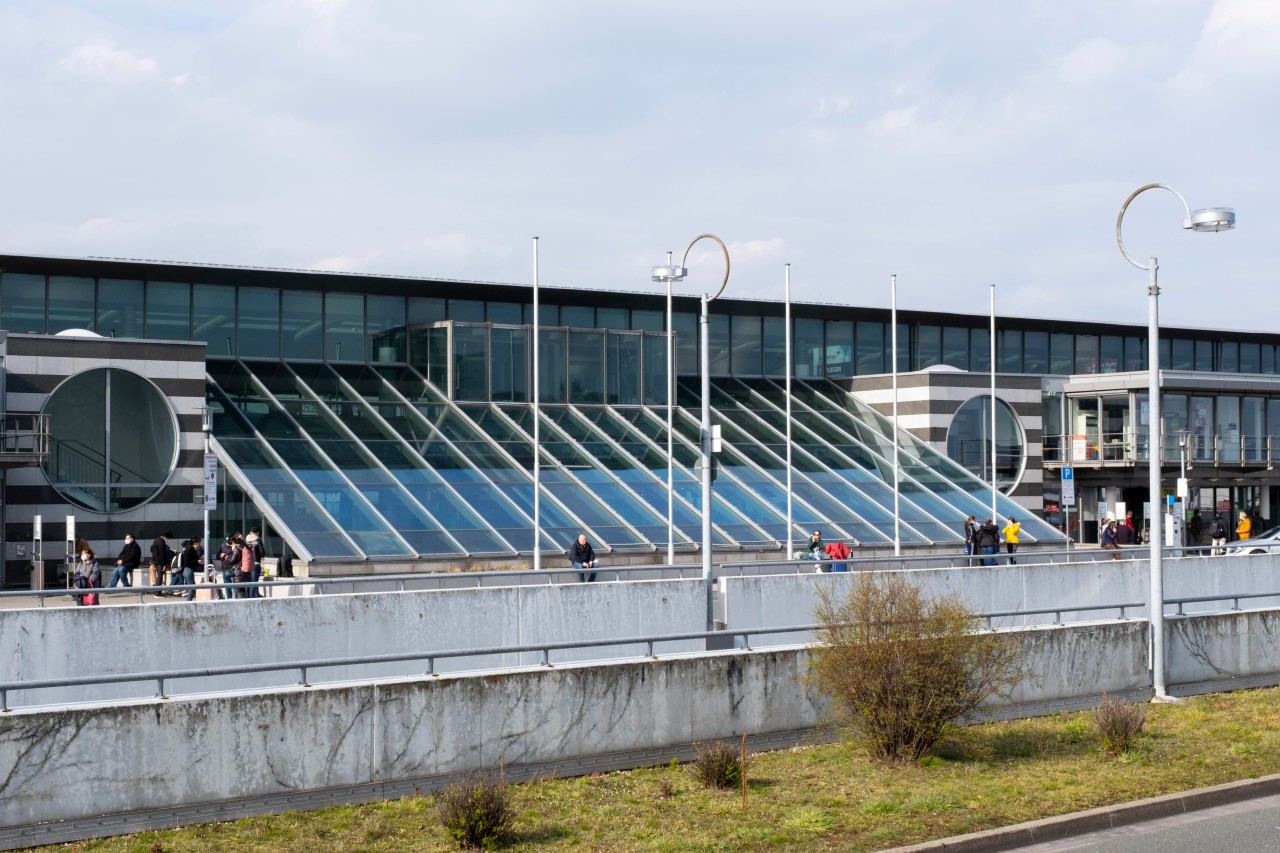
(1211, 219)
(669, 273)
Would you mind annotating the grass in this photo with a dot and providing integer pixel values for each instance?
(824, 797)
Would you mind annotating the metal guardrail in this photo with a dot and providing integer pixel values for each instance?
(24, 434)
(544, 651)
(1234, 597)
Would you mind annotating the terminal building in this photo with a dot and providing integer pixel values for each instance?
(385, 424)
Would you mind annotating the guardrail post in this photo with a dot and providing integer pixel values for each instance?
(160, 688)
(431, 666)
(4, 700)
(648, 649)
(302, 676)
(1235, 604)
(546, 657)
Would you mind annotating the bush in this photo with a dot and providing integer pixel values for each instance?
(716, 765)
(901, 667)
(475, 810)
(1119, 724)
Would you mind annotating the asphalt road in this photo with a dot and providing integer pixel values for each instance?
(1251, 826)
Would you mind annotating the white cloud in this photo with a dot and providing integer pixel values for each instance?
(102, 61)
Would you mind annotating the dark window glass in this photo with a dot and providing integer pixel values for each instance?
(1135, 354)
(1061, 353)
(259, 322)
(507, 313)
(70, 303)
(1111, 354)
(611, 318)
(302, 324)
(624, 369)
(548, 315)
(980, 351)
(168, 311)
(1204, 355)
(551, 366)
(577, 317)
(437, 356)
(466, 310)
(385, 327)
(509, 365)
(655, 370)
(470, 362)
(1230, 357)
(119, 308)
(1183, 354)
(747, 343)
(686, 344)
(1087, 354)
(807, 348)
(426, 309)
(649, 321)
(839, 348)
(1009, 351)
(1253, 428)
(213, 317)
(1268, 358)
(718, 336)
(1250, 358)
(586, 379)
(1166, 353)
(906, 346)
(955, 347)
(344, 326)
(871, 348)
(1035, 352)
(22, 298)
(929, 347)
(775, 346)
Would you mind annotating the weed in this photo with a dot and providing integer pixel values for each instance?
(1118, 724)
(716, 765)
(810, 819)
(476, 810)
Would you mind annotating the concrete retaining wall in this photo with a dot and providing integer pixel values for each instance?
(152, 754)
(63, 642)
(1226, 651)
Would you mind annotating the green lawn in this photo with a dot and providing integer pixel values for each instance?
(823, 797)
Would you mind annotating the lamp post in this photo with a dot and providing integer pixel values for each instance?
(1206, 219)
(671, 274)
(206, 426)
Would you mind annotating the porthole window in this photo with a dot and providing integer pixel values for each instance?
(113, 440)
(969, 441)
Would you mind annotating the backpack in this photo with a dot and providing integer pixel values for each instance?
(230, 558)
(1219, 529)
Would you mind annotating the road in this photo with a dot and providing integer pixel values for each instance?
(1251, 826)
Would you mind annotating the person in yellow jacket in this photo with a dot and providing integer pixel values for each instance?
(1243, 528)
(1010, 532)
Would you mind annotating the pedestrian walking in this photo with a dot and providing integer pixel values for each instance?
(970, 538)
(1219, 533)
(161, 556)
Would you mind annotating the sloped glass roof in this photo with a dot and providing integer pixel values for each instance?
(372, 461)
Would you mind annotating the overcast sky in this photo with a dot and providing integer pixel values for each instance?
(956, 144)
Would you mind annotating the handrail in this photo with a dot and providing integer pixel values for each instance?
(544, 650)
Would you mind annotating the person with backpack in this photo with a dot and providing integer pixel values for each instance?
(1219, 533)
(161, 556)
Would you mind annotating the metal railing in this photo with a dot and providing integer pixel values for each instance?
(1103, 449)
(24, 434)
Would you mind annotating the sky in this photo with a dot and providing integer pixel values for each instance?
(954, 144)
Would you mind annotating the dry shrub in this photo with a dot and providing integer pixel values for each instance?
(716, 765)
(1118, 724)
(901, 667)
(476, 810)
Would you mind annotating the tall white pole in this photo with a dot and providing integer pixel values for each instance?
(1156, 431)
(993, 404)
(706, 441)
(893, 321)
(790, 368)
(537, 471)
(671, 423)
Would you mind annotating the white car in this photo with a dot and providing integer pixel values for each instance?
(1267, 542)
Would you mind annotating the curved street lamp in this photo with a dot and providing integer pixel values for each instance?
(670, 274)
(1205, 219)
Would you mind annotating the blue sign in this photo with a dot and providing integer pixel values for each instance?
(1067, 474)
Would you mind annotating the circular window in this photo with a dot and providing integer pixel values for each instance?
(969, 441)
(113, 440)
